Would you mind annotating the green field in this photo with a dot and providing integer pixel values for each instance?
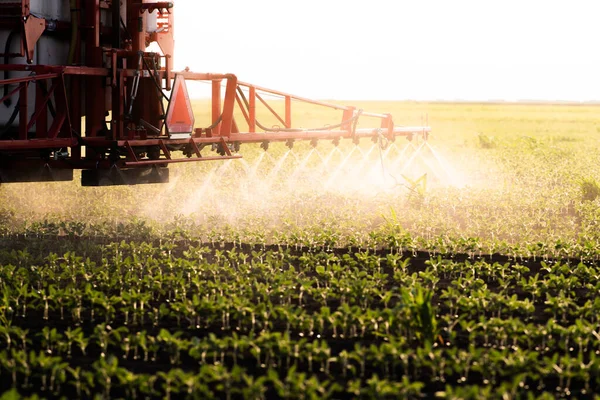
(518, 173)
(306, 274)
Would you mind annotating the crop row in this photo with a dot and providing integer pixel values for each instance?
(178, 320)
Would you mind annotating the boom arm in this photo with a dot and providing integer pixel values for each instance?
(151, 118)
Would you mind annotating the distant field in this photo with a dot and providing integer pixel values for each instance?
(510, 172)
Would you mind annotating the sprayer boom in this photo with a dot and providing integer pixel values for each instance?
(119, 112)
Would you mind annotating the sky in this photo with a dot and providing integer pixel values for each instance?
(397, 49)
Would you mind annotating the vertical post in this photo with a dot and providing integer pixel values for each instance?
(346, 116)
(216, 105)
(288, 112)
(75, 84)
(234, 127)
(25, 13)
(168, 72)
(25, 8)
(136, 26)
(23, 111)
(76, 112)
(118, 109)
(62, 103)
(252, 110)
(93, 19)
(228, 104)
(116, 24)
(147, 104)
(388, 124)
(62, 123)
(95, 92)
(41, 124)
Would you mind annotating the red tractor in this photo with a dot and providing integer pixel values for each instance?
(81, 91)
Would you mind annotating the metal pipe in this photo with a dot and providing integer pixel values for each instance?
(116, 23)
(28, 79)
(36, 144)
(145, 163)
(283, 94)
(310, 135)
(9, 94)
(398, 129)
(375, 115)
(196, 76)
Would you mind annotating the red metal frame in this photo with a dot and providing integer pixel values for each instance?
(112, 78)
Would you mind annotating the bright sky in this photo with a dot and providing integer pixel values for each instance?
(398, 49)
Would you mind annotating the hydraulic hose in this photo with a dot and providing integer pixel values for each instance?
(7, 47)
(10, 121)
(155, 70)
(15, 112)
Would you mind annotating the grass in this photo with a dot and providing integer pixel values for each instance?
(590, 189)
